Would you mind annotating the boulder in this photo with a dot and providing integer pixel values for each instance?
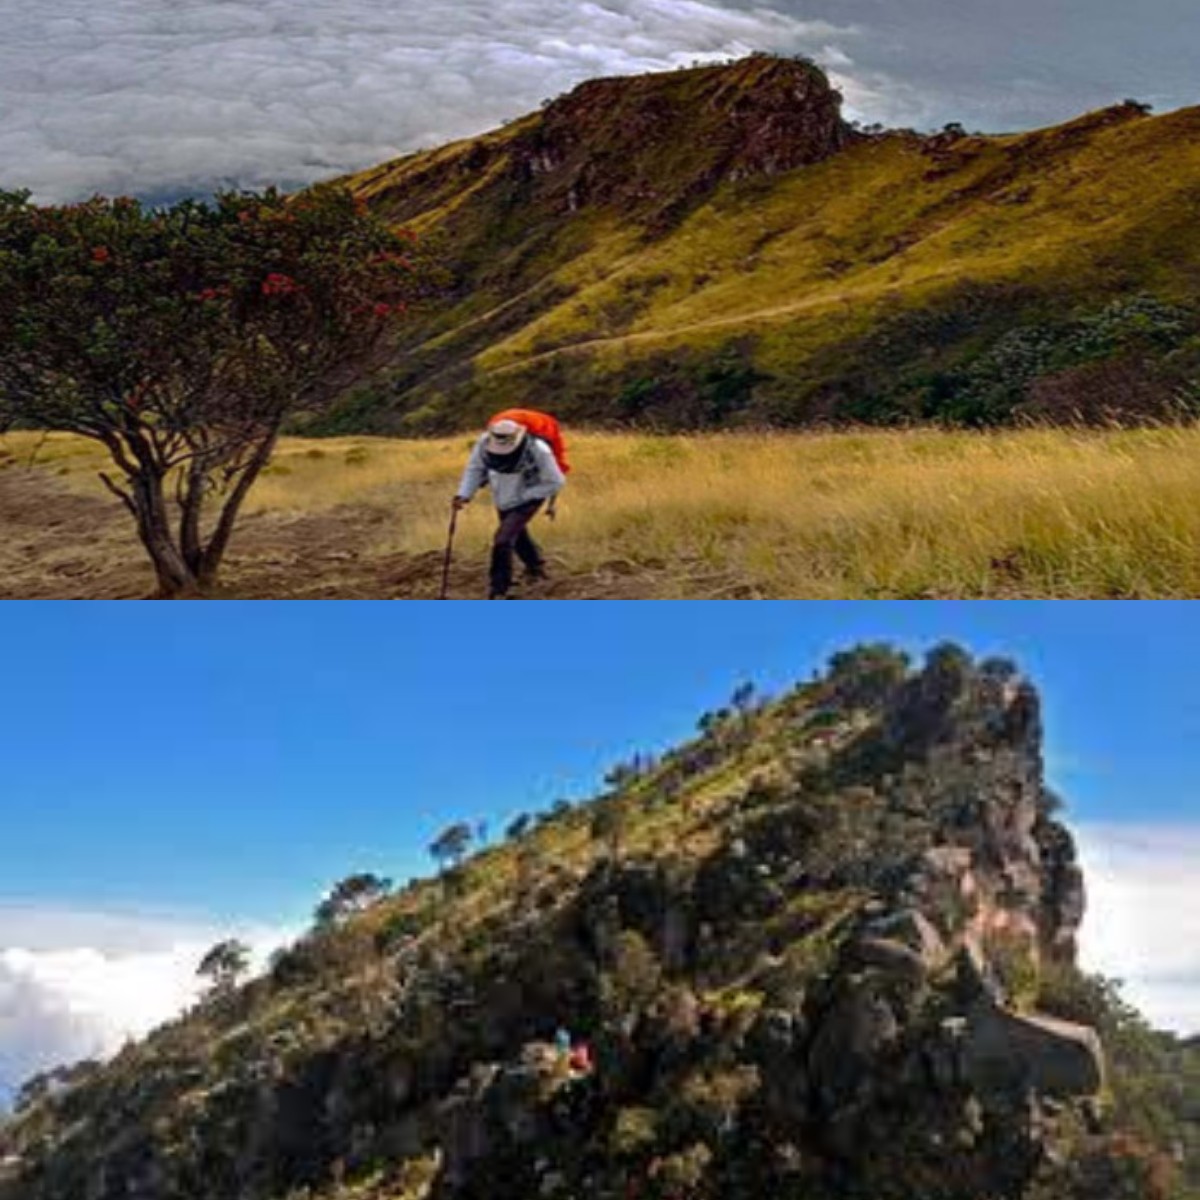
(891, 957)
(913, 931)
(1005, 1052)
(844, 1054)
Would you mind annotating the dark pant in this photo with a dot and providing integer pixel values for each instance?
(513, 534)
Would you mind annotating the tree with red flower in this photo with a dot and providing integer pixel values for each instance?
(212, 324)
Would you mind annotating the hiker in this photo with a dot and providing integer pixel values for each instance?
(522, 472)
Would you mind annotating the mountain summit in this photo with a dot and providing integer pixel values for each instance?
(825, 949)
(645, 145)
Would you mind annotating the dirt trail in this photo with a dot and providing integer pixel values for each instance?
(772, 313)
(56, 544)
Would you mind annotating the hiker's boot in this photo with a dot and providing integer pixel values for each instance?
(536, 574)
(497, 595)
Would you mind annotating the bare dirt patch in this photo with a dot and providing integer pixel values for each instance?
(58, 544)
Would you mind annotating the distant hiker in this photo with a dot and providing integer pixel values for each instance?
(523, 474)
(581, 1060)
(563, 1040)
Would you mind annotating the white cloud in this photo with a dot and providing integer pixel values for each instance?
(77, 985)
(1143, 923)
(161, 97)
(153, 96)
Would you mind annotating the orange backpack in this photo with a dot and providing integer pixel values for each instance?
(541, 425)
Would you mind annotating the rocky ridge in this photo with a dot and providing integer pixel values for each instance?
(806, 952)
(640, 145)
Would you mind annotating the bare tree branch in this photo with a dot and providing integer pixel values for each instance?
(121, 495)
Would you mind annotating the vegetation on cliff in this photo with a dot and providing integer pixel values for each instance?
(826, 948)
(716, 247)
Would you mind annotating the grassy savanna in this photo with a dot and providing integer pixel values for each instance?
(1028, 513)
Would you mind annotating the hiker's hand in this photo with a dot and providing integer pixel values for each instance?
(459, 503)
(551, 513)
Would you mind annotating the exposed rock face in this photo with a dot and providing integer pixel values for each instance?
(760, 117)
(972, 740)
(920, 1017)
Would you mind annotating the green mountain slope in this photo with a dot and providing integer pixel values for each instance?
(715, 246)
(826, 949)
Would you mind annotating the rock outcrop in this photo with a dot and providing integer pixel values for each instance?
(615, 141)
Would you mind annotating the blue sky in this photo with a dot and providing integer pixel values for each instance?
(176, 773)
(235, 758)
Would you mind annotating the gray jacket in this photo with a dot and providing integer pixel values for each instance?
(538, 478)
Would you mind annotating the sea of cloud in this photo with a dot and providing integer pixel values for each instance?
(1143, 923)
(77, 985)
(160, 97)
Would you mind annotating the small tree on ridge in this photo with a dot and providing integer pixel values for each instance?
(351, 895)
(225, 965)
(451, 845)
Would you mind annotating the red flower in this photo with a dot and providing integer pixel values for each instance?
(100, 254)
(279, 285)
(381, 309)
(399, 260)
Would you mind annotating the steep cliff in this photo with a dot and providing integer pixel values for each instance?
(807, 954)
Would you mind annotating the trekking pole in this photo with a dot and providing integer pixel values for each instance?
(449, 548)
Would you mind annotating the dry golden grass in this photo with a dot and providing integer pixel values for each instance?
(1053, 513)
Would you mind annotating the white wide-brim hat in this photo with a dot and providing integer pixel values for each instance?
(505, 436)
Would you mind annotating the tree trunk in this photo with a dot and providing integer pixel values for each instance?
(154, 529)
(210, 560)
(191, 502)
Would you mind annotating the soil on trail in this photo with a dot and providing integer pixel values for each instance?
(56, 544)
